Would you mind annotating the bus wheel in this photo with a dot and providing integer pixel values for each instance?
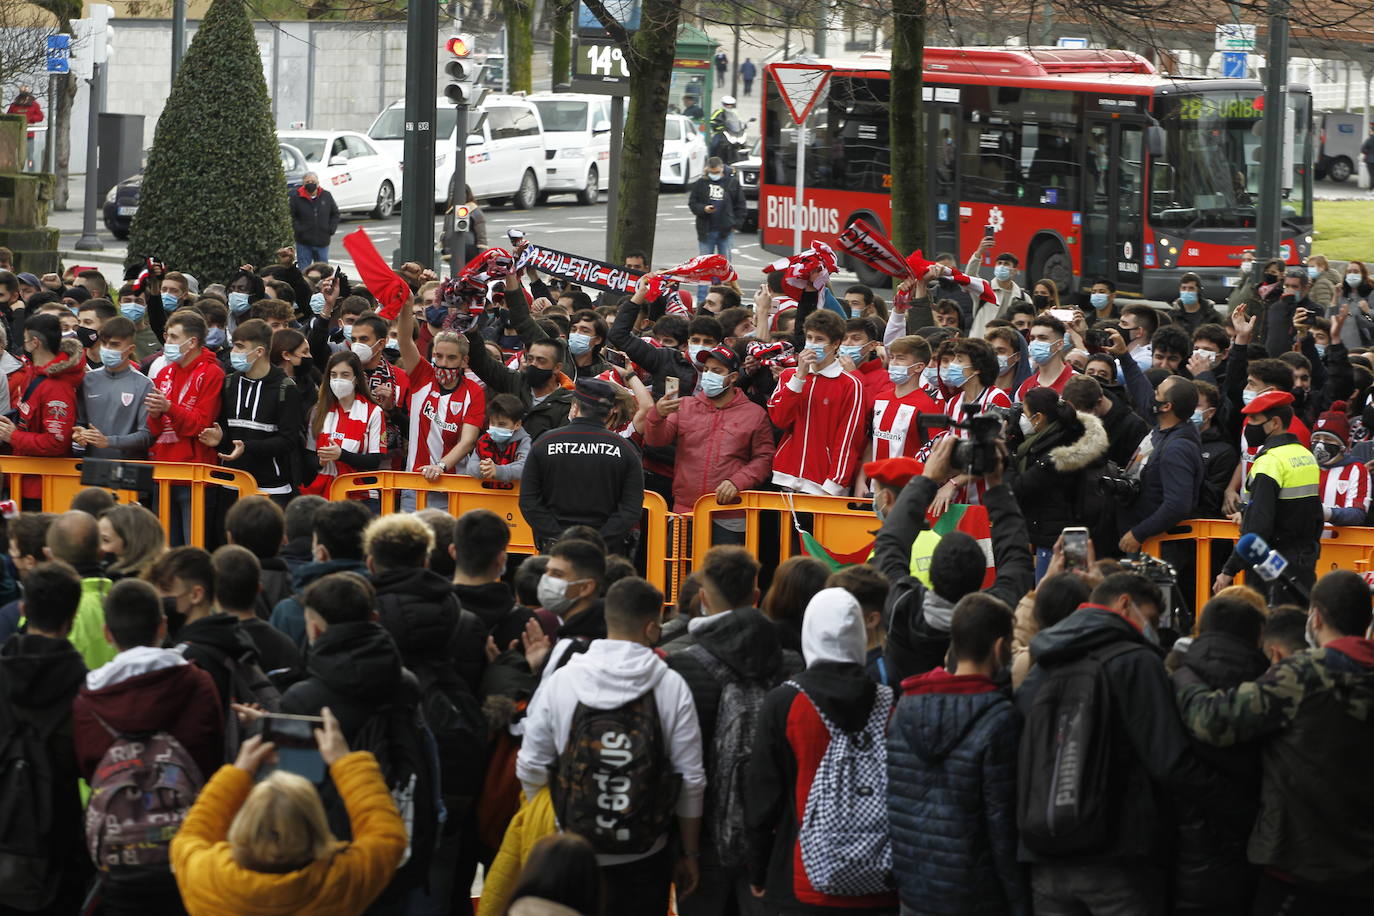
(1050, 260)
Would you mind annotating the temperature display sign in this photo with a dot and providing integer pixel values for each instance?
(599, 66)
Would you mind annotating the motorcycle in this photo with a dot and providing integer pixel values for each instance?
(730, 142)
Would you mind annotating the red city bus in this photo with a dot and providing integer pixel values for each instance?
(1086, 164)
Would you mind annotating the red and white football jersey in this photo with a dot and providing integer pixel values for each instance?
(436, 418)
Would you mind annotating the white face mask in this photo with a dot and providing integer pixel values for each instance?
(553, 593)
(362, 351)
(1027, 427)
(342, 387)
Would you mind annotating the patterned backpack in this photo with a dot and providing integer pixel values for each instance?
(140, 793)
(845, 846)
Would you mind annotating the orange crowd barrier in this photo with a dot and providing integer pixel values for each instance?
(1343, 547)
(662, 541)
(60, 480)
(841, 524)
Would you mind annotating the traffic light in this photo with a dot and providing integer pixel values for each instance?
(461, 216)
(462, 72)
(459, 46)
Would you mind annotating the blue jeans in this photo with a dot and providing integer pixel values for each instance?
(309, 254)
(714, 242)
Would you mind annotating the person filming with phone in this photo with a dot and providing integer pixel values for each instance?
(267, 847)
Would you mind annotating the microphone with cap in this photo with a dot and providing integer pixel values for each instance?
(1268, 563)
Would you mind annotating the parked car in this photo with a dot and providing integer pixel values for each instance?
(1340, 144)
(577, 143)
(505, 148)
(361, 178)
(684, 153)
(747, 170)
(121, 203)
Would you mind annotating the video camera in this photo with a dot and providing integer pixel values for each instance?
(1173, 615)
(977, 455)
(117, 475)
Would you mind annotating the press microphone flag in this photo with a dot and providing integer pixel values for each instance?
(1268, 563)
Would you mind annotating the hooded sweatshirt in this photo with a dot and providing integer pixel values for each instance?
(789, 746)
(289, 614)
(611, 673)
(147, 689)
(47, 410)
(208, 642)
(113, 402)
(265, 415)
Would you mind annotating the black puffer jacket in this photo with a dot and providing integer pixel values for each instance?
(1210, 867)
(432, 631)
(1055, 471)
(353, 668)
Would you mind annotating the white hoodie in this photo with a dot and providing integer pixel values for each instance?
(132, 663)
(611, 673)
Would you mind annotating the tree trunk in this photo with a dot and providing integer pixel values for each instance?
(519, 44)
(562, 43)
(907, 126)
(66, 95)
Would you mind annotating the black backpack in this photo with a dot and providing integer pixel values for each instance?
(1064, 781)
(29, 870)
(613, 783)
(459, 728)
(247, 684)
(406, 753)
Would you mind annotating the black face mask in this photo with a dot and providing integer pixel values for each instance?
(536, 377)
(310, 187)
(1255, 435)
(87, 336)
(1040, 301)
(175, 619)
(307, 363)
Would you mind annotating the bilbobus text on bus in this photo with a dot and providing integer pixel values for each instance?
(1087, 164)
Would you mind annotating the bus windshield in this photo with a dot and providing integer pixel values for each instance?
(1209, 174)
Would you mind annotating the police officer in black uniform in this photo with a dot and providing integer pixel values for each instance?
(584, 474)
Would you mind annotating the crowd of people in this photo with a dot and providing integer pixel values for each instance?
(330, 710)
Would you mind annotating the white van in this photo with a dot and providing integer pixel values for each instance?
(577, 138)
(505, 155)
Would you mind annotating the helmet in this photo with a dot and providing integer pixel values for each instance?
(728, 101)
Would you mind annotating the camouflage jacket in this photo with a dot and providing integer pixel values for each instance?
(1314, 716)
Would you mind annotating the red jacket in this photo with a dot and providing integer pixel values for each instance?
(46, 416)
(32, 112)
(195, 392)
(823, 431)
(180, 700)
(733, 443)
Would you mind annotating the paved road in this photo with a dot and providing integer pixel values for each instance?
(560, 224)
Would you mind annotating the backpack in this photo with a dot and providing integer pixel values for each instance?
(406, 753)
(737, 721)
(613, 782)
(1064, 801)
(29, 871)
(247, 684)
(140, 793)
(843, 835)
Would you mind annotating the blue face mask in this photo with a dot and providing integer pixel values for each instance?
(500, 435)
(930, 376)
(215, 338)
(133, 311)
(1003, 364)
(1040, 351)
(393, 345)
(1001, 272)
(238, 303)
(819, 350)
(899, 374)
(1098, 300)
(579, 343)
(171, 352)
(240, 361)
(1198, 418)
(713, 385)
(317, 303)
(169, 302)
(1321, 350)
(1312, 273)
(1187, 297)
(436, 314)
(852, 351)
(955, 376)
(110, 358)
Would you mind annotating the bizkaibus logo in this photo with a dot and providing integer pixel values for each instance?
(814, 218)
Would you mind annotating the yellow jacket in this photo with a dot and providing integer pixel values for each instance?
(531, 823)
(341, 883)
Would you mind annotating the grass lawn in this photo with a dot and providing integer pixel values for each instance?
(1345, 229)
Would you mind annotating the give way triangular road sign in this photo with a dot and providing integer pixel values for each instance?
(800, 85)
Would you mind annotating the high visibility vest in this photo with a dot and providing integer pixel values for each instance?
(1294, 469)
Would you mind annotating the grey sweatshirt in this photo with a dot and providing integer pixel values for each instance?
(112, 402)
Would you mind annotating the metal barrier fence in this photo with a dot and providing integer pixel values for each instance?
(59, 479)
(663, 546)
(843, 525)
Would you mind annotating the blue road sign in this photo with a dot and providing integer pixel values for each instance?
(1233, 65)
(59, 53)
